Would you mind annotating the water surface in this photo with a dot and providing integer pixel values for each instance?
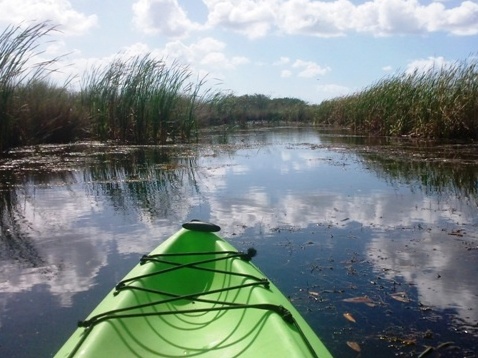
(383, 230)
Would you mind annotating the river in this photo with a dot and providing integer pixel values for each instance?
(375, 240)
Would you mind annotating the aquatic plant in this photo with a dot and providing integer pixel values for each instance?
(195, 104)
(441, 102)
(141, 99)
(135, 100)
(46, 113)
(144, 99)
(18, 45)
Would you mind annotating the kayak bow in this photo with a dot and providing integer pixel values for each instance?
(195, 295)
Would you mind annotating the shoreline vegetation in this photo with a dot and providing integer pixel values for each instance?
(440, 103)
(144, 100)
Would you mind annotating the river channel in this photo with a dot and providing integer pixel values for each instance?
(375, 240)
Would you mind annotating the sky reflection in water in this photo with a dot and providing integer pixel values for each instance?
(326, 215)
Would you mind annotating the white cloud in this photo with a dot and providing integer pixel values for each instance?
(282, 61)
(253, 18)
(208, 44)
(317, 18)
(388, 17)
(286, 74)
(309, 69)
(59, 12)
(207, 52)
(165, 17)
(462, 20)
(214, 59)
(239, 60)
(257, 18)
(304, 69)
(426, 64)
(211, 52)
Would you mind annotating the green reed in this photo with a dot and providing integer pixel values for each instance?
(142, 100)
(18, 46)
(47, 113)
(194, 104)
(145, 100)
(438, 103)
(135, 100)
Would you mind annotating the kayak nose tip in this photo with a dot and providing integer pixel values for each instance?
(197, 225)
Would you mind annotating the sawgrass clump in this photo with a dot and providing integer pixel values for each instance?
(437, 103)
(133, 100)
(142, 100)
(32, 110)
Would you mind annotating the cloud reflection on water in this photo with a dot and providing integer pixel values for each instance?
(77, 226)
(396, 213)
(439, 265)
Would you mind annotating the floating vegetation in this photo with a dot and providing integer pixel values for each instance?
(400, 296)
(314, 294)
(386, 328)
(427, 351)
(362, 299)
(348, 316)
(355, 346)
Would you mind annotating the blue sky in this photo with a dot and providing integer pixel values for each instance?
(307, 49)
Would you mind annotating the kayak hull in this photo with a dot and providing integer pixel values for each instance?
(195, 295)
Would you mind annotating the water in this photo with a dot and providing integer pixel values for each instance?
(383, 230)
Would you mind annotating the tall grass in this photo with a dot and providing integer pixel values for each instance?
(46, 113)
(18, 45)
(142, 100)
(195, 103)
(139, 99)
(438, 103)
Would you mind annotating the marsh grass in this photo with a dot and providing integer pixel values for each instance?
(139, 99)
(142, 100)
(18, 46)
(46, 113)
(438, 103)
(194, 105)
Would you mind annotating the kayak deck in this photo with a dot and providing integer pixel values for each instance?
(195, 295)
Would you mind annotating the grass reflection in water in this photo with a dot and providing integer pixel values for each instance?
(352, 229)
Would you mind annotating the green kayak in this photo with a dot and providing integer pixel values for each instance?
(194, 295)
